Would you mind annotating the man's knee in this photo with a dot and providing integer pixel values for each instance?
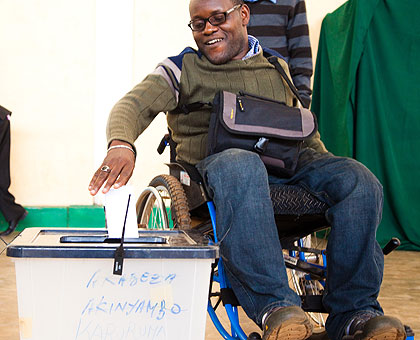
(359, 180)
(237, 165)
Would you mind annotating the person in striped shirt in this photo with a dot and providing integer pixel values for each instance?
(281, 25)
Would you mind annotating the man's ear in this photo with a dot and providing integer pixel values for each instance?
(245, 14)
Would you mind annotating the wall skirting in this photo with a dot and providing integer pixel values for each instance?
(74, 216)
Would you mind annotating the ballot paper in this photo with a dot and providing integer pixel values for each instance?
(116, 202)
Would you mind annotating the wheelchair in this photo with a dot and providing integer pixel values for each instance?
(180, 200)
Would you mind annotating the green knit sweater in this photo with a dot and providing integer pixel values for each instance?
(198, 81)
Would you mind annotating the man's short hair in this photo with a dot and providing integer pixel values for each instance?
(237, 2)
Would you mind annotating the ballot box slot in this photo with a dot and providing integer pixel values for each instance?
(104, 239)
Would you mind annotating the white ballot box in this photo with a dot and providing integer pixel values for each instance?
(67, 290)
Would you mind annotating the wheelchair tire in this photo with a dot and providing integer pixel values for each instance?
(173, 198)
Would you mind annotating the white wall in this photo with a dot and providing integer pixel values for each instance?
(158, 34)
(316, 11)
(63, 64)
(47, 78)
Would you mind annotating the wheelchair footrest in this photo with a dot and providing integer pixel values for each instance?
(313, 303)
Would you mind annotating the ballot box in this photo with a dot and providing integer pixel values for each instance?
(67, 288)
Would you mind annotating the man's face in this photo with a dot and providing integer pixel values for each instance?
(227, 41)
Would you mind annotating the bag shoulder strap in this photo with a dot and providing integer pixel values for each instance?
(187, 108)
(274, 61)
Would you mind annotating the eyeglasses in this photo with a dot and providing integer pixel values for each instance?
(217, 19)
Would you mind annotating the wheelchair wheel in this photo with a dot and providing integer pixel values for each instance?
(163, 205)
(304, 285)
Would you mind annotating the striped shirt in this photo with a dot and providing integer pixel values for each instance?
(283, 27)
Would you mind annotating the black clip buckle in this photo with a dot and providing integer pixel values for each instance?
(261, 145)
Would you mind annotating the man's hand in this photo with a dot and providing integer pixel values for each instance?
(115, 170)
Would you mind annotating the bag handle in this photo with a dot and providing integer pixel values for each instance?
(274, 61)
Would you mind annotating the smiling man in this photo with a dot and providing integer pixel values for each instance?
(229, 59)
(219, 45)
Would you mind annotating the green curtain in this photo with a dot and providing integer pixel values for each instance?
(367, 100)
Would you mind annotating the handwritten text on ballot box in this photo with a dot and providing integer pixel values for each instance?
(162, 294)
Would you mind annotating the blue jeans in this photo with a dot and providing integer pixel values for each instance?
(249, 245)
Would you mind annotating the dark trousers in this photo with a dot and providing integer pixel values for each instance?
(10, 209)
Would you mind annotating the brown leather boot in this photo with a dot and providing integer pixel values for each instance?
(374, 327)
(287, 323)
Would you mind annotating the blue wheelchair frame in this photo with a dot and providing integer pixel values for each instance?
(236, 332)
(232, 311)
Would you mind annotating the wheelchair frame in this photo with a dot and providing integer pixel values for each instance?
(295, 260)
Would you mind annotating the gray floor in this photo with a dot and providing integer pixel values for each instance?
(400, 294)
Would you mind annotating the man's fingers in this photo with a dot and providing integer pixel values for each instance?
(99, 178)
(112, 178)
(96, 182)
(125, 175)
(116, 170)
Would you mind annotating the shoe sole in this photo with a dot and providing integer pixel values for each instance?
(391, 334)
(385, 329)
(291, 331)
